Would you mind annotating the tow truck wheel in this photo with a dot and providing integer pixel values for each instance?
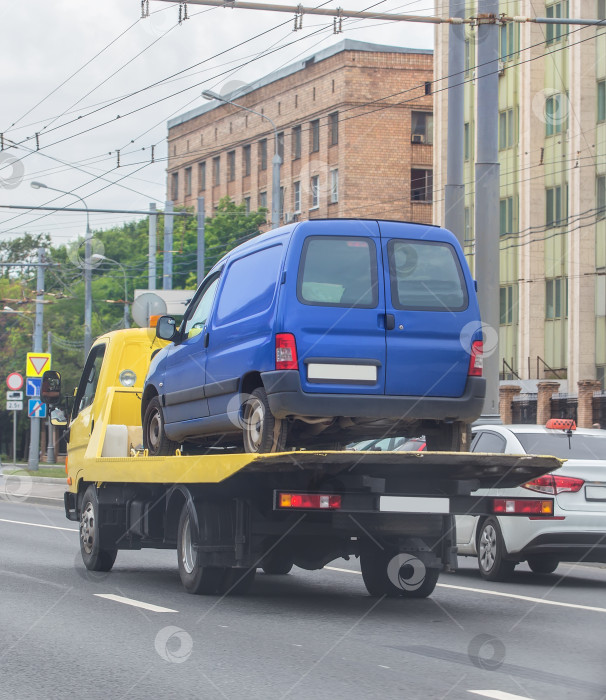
(543, 563)
(196, 579)
(262, 432)
(491, 553)
(154, 437)
(94, 557)
(396, 575)
(276, 564)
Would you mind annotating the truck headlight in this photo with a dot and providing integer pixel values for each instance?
(128, 377)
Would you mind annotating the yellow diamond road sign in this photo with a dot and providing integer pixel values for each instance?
(38, 363)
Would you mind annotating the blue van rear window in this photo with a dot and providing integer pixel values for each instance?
(249, 285)
(426, 276)
(338, 271)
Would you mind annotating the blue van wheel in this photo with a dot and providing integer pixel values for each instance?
(154, 437)
(262, 431)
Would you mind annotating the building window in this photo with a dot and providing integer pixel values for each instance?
(428, 87)
(506, 129)
(554, 32)
(467, 55)
(507, 41)
(202, 176)
(553, 207)
(601, 9)
(422, 127)
(315, 191)
(263, 154)
(600, 196)
(263, 199)
(468, 225)
(247, 205)
(506, 216)
(175, 187)
(281, 201)
(231, 166)
(281, 145)
(602, 99)
(421, 185)
(506, 305)
(188, 182)
(466, 141)
(556, 298)
(217, 170)
(314, 136)
(296, 194)
(333, 122)
(334, 186)
(246, 160)
(296, 142)
(554, 114)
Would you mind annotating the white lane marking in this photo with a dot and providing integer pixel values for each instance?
(498, 695)
(516, 596)
(50, 527)
(134, 603)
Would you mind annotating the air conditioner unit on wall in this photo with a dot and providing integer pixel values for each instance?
(418, 138)
(501, 68)
(288, 217)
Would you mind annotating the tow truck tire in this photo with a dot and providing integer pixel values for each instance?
(543, 563)
(262, 432)
(94, 557)
(154, 437)
(375, 564)
(239, 581)
(196, 579)
(276, 564)
(491, 553)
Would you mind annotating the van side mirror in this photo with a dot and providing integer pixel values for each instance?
(50, 391)
(166, 328)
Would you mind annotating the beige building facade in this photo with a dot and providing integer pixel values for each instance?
(355, 128)
(552, 143)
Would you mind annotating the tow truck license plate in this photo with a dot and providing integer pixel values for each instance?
(595, 493)
(413, 504)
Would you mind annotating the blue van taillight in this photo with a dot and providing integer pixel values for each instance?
(286, 351)
(476, 361)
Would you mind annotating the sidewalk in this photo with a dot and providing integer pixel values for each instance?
(38, 490)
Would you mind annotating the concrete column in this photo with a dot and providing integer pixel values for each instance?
(507, 392)
(585, 402)
(545, 392)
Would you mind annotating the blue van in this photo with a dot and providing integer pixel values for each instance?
(319, 333)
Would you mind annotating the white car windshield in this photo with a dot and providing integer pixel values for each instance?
(558, 445)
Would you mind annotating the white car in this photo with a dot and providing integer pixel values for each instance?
(577, 530)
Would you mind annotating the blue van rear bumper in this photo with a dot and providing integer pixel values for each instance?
(287, 398)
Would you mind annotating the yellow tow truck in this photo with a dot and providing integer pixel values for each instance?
(228, 513)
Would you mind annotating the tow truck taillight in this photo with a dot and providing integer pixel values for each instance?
(313, 501)
(476, 361)
(286, 351)
(522, 506)
(554, 484)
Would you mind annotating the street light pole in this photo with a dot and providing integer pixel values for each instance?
(276, 160)
(88, 271)
(100, 258)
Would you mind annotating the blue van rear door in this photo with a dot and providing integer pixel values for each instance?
(430, 299)
(338, 316)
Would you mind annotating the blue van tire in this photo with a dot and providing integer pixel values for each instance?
(447, 438)
(262, 431)
(154, 436)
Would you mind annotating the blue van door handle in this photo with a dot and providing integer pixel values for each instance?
(390, 322)
(206, 339)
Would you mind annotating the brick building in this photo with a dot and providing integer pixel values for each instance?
(355, 136)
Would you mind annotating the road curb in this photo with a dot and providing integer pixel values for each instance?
(37, 479)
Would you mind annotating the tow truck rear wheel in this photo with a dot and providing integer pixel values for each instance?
(262, 431)
(491, 553)
(95, 557)
(276, 564)
(396, 575)
(154, 437)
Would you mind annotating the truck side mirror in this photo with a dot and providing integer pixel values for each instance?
(50, 391)
(166, 328)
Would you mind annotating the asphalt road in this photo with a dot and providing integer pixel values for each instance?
(305, 635)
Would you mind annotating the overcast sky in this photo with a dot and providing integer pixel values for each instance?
(104, 51)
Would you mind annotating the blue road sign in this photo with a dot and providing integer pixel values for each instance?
(36, 409)
(34, 384)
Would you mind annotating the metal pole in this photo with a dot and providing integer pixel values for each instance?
(454, 191)
(151, 265)
(200, 271)
(88, 291)
(275, 186)
(34, 436)
(167, 277)
(487, 187)
(50, 448)
(14, 438)
(126, 321)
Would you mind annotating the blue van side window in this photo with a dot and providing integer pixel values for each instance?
(338, 271)
(249, 285)
(426, 276)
